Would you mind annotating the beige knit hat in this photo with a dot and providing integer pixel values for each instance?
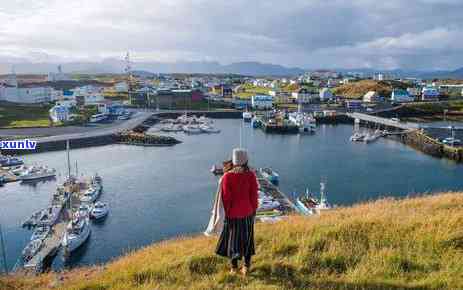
(240, 156)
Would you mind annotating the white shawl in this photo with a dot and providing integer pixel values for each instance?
(218, 214)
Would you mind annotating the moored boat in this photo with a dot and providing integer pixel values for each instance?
(99, 210)
(11, 161)
(192, 129)
(357, 137)
(77, 232)
(37, 173)
(208, 129)
(271, 175)
(247, 116)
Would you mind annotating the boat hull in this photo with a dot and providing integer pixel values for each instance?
(73, 244)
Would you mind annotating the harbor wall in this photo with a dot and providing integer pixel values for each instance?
(59, 145)
(426, 144)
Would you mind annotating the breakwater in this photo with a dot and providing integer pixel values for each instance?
(82, 140)
(421, 141)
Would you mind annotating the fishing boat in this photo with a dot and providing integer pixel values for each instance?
(267, 203)
(357, 137)
(40, 233)
(172, 128)
(50, 216)
(90, 195)
(11, 161)
(205, 120)
(451, 141)
(100, 210)
(2, 180)
(35, 173)
(192, 129)
(271, 175)
(306, 123)
(208, 129)
(308, 204)
(18, 170)
(247, 116)
(31, 249)
(216, 170)
(77, 232)
(256, 122)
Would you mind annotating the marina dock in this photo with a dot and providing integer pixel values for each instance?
(50, 248)
(65, 203)
(274, 192)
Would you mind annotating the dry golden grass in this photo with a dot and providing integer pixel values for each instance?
(356, 90)
(388, 244)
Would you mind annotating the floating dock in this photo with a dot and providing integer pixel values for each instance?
(52, 243)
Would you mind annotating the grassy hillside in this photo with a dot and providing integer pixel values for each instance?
(356, 90)
(388, 244)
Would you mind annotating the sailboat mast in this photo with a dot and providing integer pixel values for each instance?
(69, 159)
(77, 170)
(2, 242)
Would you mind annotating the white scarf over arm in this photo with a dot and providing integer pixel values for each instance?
(216, 221)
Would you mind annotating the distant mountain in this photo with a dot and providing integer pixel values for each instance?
(117, 66)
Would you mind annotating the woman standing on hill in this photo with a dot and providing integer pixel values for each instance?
(239, 196)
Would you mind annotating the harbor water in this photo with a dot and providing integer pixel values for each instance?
(157, 193)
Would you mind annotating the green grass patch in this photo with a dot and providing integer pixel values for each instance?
(23, 116)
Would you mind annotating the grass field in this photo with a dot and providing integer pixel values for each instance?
(388, 244)
(21, 116)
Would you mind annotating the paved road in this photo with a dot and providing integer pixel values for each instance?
(136, 120)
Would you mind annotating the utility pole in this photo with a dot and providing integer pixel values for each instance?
(2, 242)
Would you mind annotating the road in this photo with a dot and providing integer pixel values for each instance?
(76, 132)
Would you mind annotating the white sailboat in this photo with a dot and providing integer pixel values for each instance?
(77, 233)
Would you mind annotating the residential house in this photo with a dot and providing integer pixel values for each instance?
(262, 102)
(326, 95)
(401, 96)
(304, 96)
(372, 97)
(429, 94)
(59, 113)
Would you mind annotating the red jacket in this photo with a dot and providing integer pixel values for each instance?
(239, 194)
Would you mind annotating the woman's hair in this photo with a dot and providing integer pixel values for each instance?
(244, 167)
(227, 165)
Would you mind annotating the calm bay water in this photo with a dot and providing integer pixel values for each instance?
(160, 193)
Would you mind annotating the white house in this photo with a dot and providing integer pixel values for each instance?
(401, 96)
(24, 94)
(262, 102)
(371, 97)
(59, 113)
(326, 95)
(93, 99)
(59, 76)
(429, 93)
(304, 96)
(121, 87)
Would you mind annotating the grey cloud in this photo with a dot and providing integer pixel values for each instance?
(310, 33)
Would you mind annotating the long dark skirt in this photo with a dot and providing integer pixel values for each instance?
(237, 238)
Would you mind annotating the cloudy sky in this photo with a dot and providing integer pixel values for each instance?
(411, 34)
